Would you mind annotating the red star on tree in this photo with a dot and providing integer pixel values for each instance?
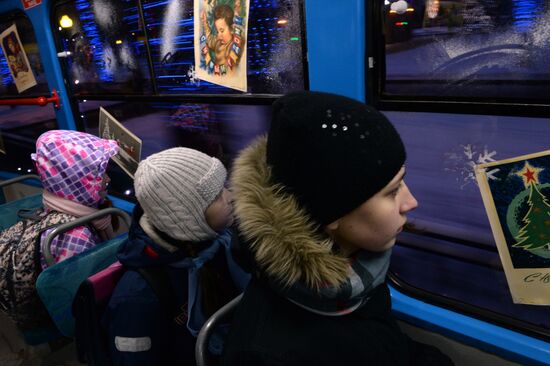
(530, 175)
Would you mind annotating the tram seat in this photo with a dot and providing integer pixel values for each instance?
(89, 304)
(9, 210)
(223, 315)
(57, 285)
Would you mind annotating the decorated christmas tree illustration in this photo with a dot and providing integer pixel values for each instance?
(535, 232)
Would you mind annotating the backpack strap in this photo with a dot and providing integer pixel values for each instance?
(160, 282)
(34, 214)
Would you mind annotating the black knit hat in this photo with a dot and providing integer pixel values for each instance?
(331, 152)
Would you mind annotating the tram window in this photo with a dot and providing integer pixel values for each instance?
(111, 54)
(25, 32)
(488, 50)
(21, 125)
(220, 130)
(274, 47)
(104, 44)
(450, 251)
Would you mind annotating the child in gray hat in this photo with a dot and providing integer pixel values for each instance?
(319, 203)
(180, 228)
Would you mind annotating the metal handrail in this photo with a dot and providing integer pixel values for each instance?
(48, 258)
(41, 101)
(208, 328)
(19, 179)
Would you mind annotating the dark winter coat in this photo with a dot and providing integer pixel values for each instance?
(267, 328)
(141, 331)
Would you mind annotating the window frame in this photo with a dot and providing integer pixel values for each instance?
(374, 87)
(376, 77)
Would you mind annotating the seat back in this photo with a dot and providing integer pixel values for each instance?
(223, 315)
(9, 210)
(89, 305)
(57, 285)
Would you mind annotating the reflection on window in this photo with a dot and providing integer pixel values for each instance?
(216, 129)
(26, 35)
(104, 46)
(467, 48)
(451, 251)
(274, 47)
(20, 126)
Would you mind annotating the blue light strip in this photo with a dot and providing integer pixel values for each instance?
(5, 74)
(513, 345)
(87, 20)
(525, 13)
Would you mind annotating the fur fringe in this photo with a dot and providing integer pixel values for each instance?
(281, 234)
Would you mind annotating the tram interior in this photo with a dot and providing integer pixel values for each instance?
(136, 60)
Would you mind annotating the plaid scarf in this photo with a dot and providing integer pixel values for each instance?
(366, 271)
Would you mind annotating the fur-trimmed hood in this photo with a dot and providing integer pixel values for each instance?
(284, 240)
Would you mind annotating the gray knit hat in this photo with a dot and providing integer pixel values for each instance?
(175, 187)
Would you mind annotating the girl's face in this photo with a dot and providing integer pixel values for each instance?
(375, 224)
(219, 214)
(224, 32)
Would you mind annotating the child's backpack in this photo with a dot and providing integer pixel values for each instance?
(20, 267)
(57, 285)
(9, 210)
(91, 300)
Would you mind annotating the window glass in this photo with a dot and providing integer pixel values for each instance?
(467, 49)
(24, 32)
(21, 125)
(218, 130)
(275, 61)
(451, 239)
(104, 46)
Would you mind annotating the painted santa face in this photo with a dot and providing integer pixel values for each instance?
(375, 224)
(224, 31)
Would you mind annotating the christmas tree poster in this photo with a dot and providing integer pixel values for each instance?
(516, 195)
(129, 152)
